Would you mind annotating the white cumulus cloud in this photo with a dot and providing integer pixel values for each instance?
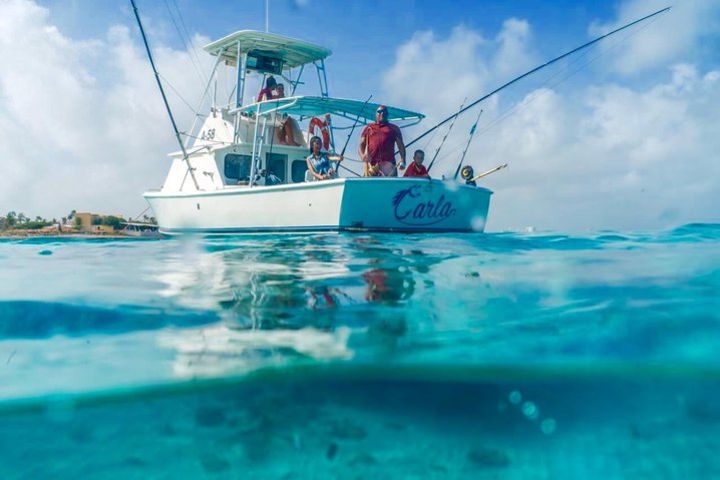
(82, 125)
(595, 156)
(669, 37)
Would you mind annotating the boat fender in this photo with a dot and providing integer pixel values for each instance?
(324, 130)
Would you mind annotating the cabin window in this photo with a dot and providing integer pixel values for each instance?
(237, 167)
(276, 164)
(299, 167)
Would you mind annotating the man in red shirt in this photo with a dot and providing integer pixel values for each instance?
(377, 146)
(416, 168)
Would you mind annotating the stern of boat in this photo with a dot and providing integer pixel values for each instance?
(422, 205)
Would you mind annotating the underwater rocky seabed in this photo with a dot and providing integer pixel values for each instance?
(362, 356)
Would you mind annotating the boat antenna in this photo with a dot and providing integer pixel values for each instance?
(267, 16)
(442, 142)
(162, 92)
(530, 72)
(467, 145)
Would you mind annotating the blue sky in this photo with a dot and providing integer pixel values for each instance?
(629, 142)
(365, 34)
(337, 21)
(362, 34)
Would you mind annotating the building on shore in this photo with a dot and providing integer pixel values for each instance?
(93, 222)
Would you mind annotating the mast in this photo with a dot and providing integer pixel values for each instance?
(162, 92)
(530, 72)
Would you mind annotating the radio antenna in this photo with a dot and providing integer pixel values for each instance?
(267, 16)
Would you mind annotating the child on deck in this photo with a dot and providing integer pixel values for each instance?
(416, 168)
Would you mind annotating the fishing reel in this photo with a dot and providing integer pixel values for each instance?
(374, 171)
(467, 172)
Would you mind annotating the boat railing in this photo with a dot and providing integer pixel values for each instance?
(250, 114)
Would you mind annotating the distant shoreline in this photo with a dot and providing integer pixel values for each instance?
(14, 234)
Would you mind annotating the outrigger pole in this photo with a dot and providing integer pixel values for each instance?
(530, 72)
(162, 92)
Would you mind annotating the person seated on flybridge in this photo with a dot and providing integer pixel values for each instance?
(267, 92)
(288, 131)
(416, 168)
(318, 162)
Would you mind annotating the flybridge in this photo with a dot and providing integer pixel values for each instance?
(268, 54)
(293, 53)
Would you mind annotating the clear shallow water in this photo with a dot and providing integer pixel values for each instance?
(348, 356)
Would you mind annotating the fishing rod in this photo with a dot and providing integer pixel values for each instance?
(162, 92)
(467, 145)
(485, 174)
(442, 142)
(362, 110)
(530, 72)
(348, 169)
(347, 140)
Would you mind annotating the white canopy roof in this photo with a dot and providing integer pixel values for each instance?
(293, 52)
(315, 106)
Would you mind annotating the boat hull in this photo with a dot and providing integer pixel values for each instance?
(365, 204)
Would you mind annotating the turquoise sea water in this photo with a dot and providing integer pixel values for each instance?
(362, 356)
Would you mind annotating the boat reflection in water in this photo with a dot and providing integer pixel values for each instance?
(288, 300)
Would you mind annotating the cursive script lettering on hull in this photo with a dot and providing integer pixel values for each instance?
(418, 206)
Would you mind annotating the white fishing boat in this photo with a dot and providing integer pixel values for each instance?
(235, 177)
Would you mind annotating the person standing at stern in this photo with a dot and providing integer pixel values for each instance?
(377, 146)
(416, 168)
